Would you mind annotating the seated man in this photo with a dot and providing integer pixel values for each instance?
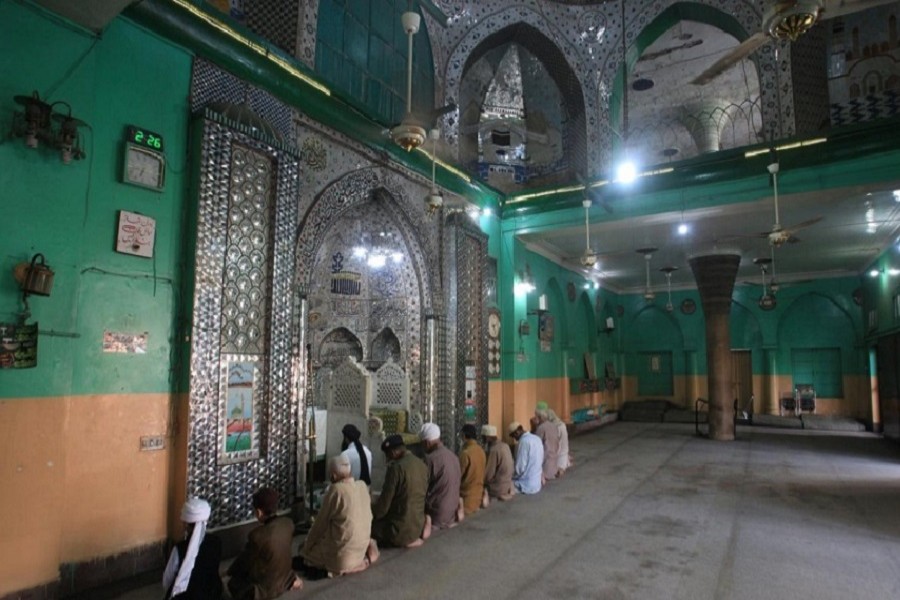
(262, 571)
(529, 460)
(498, 471)
(442, 503)
(338, 541)
(192, 572)
(471, 464)
(549, 434)
(399, 512)
(360, 457)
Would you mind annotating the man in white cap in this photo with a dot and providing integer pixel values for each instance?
(499, 469)
(193, 568)
(529, 459)
(442, 503)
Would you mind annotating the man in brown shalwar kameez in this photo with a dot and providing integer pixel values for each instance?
(471, 464)
(499, 469)
(442, 503)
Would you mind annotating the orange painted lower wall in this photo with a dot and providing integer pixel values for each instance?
(76, 485)
(855, 404)
(510, 401)
(515, 400)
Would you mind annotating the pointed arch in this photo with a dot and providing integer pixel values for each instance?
(337, 345)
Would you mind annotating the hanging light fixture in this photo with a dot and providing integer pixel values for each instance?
(589, 258)
(34, 123)
(379, 248)
(773, 285)
(434, 200)
(648, 254)
(668, 271)
(409, 134)
(767, 300)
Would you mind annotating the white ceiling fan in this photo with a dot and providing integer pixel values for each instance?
(779, 234)
(409, 134)
(785, 20)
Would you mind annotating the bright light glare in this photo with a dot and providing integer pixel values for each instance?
(359, 252)
(682, 229)
(896, 195)
(874, 273)
(626, 172)
(893, 272)
(376, 261)
(486, 212)
(397, 257)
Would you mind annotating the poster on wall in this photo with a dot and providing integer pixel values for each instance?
(18, 345)
(136, 234)
(126, 343)
(545, 331)
(239, 409)
(470, 413)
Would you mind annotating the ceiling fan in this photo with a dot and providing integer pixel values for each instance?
(779, 234)
(409, 134)
(785, 20)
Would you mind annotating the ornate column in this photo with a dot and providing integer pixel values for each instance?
(715, 275)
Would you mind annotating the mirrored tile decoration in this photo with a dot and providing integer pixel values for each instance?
(242, 318)
(375, 306)
(589, 42)
(245, 313)
(466, 262)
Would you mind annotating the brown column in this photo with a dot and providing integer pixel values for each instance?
(715, 275)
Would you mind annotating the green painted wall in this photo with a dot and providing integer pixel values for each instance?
(69, 212)
(798, 321)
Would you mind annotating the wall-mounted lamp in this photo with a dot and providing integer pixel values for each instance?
(875, 273)
(610, 325)
(524, 282)
(35, 278)
(36, 121)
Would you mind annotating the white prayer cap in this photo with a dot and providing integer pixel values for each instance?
(489, 431)
(430, 432)
(514, 426)
(195, 510)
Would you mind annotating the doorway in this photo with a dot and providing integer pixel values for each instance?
(742, 381)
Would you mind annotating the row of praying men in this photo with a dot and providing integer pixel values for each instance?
(416, 498)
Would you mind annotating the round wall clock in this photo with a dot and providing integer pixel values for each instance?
(688, 306)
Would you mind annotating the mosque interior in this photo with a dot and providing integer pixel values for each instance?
(234, 226)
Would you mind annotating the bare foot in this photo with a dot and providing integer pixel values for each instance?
(426, 531)
(372, 553)
(485, 499)
(298, 583)
(416, 543)
(460, 512)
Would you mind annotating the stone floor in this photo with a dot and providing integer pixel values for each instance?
(650, 511)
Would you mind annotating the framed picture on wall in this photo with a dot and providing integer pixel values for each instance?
(240, 407)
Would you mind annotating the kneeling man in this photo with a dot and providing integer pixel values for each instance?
(338, 541)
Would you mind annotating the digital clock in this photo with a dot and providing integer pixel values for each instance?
(143, 137)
